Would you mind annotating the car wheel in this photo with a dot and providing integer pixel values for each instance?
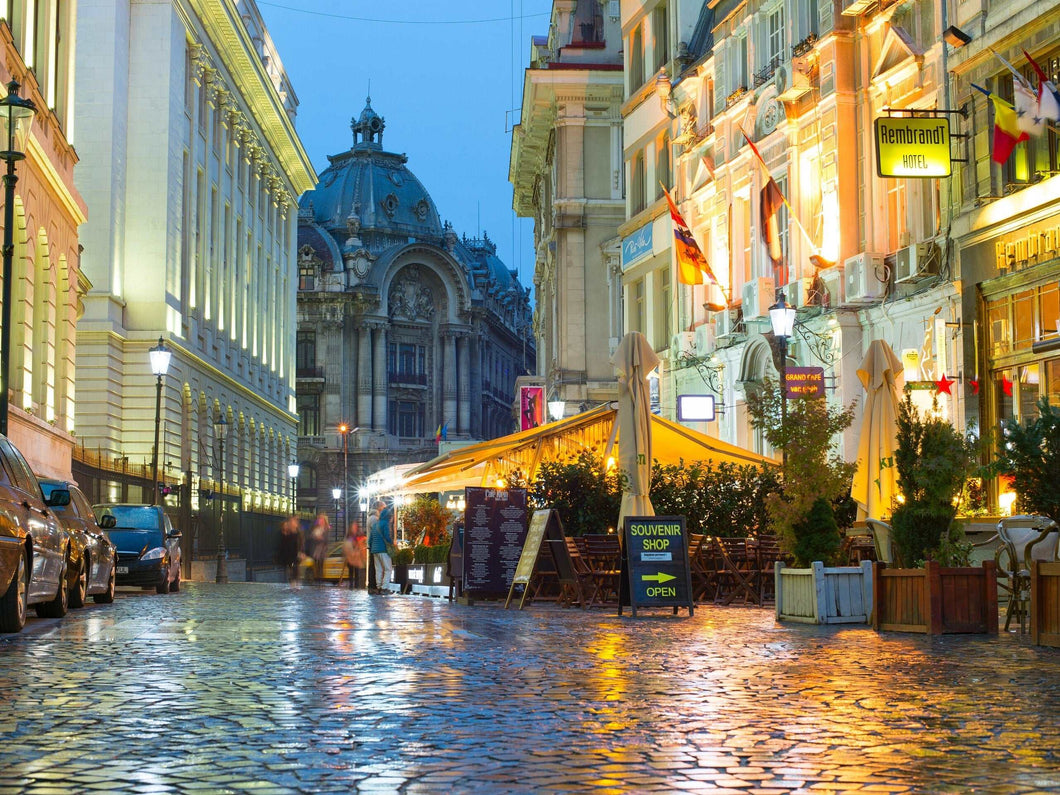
(107, 596)
(76, 597)
(13, 602)
(163, 584)
(56, 608)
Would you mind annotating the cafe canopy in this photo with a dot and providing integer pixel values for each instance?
(487, 463)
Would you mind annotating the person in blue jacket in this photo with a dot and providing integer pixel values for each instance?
(379, 542)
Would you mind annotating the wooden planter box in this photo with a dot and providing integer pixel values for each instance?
(935, 600)
(1045, 603)
(824, 595)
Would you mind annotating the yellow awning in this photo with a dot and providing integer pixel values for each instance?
(483, 463)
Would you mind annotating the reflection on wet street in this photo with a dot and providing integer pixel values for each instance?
(259, 688)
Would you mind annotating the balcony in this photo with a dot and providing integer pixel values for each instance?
(765, 75)
(407, 379)
(309, 373)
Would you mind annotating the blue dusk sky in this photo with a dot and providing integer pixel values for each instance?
(446, 77)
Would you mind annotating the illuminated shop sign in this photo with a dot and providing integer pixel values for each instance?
(917, 147)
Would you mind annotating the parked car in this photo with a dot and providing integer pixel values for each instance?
(34, 547)
(148, 545)
(93, 558)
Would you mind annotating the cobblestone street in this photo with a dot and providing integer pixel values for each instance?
(260, 688)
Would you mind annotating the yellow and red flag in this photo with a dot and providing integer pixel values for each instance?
(692, 266)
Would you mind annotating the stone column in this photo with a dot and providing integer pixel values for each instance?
(449, 392)
(464, 383)
(379, 380)
(364, 377)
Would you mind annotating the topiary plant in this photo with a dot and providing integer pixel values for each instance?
(932, 460)
(817, 536)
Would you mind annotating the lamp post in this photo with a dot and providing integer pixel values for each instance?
(556, 409)
(292, 472)
(346, 430)
(16, 118)
(160, 356)
(220, 429)
(782, 319)
(336, 493)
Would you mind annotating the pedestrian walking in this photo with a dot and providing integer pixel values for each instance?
(318, 545)
(379, 542)
(355, 552)
(289, 551)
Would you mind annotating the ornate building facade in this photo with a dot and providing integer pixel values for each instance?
(47, 285)
(192, 169)
(407, 333)
(566, 171)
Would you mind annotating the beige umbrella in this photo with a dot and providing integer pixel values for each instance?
(634, 359)
(874, 486)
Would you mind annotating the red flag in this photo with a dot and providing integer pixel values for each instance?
(692, 266)
(772, 201)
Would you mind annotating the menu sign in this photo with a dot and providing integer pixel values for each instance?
(657, 564)
(494, 534)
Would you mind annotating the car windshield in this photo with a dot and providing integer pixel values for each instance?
(132, 517)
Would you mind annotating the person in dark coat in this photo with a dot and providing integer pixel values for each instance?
(289, 554)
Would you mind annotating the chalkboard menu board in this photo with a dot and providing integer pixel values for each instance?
(657, 552)
(494, 533)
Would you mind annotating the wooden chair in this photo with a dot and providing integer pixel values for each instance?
(603, 555)
(702, 566)
(767, 549)
(736, 575)
(1022, 539)
(585, 584)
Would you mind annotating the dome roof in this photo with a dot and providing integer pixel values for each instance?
(368, 190)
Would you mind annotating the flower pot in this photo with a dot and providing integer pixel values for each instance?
(935, 600)
(824, 594)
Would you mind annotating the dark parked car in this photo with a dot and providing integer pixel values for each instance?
(93, 558)
(34, 547)
(148, 546)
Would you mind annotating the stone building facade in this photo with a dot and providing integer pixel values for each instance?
(192, 169)
(566, 171)
(407, 332)
(48, 285)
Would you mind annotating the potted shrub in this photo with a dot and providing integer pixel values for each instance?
(932, 460)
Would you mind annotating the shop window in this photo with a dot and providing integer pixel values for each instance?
(1004, 388)
(997, 319)
(1049, 310)
(1028, 387)
(1052, 381)
(1023, 320)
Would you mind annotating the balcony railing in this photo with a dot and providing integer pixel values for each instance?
(762, 77)
(309, 372)
(407, 379)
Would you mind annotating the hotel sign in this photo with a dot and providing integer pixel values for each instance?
(912, 147)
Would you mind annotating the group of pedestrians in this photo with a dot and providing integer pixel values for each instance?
(296, 553)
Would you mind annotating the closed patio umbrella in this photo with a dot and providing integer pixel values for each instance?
(634, 359)
(874, 486)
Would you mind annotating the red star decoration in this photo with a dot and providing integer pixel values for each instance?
(974, 383)
(944, 384)
(1006, 386)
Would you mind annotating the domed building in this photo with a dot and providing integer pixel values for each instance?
(404, 327)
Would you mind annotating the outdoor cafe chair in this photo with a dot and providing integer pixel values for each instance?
(883, 540)
(703, 567)
(1022, 539)
(767, 552)
(736, 574)
(603, 554)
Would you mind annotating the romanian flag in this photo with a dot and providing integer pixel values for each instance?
(439, 434)
(692, 266)
(1007, 132)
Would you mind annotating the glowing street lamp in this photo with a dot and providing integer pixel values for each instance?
(160, 357)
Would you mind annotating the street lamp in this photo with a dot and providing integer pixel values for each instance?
(160, 356)
(556, 409)
(16, 118)
(346, 430)
(336, 493)
(782, 319)
(220, 430)
(292, 472)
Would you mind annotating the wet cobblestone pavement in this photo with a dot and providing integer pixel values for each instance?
(250, 688)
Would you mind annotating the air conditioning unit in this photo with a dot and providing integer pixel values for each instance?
(834, 286)
(758, 296)
(862, 275)
(722, 323)
(797, 293)
(915, 262)
(683, 342)
(705, 339)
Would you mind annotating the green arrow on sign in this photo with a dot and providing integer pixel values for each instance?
(660, 577)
